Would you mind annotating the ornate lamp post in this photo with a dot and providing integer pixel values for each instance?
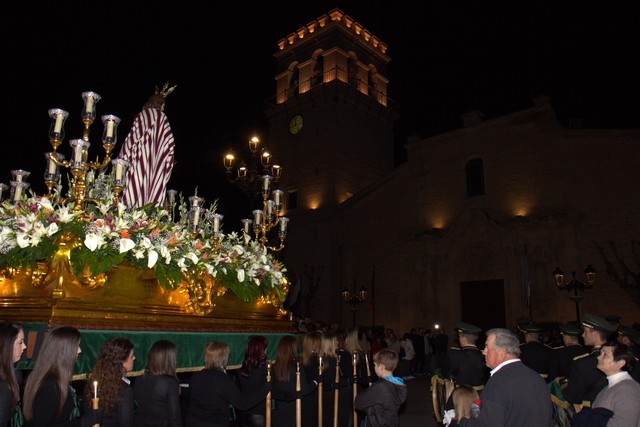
(576, 286)
(256, 181)
(353, 299)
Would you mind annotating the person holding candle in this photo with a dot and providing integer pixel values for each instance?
(211, 391)
(115, 359)
(49, 399)
(157, 391)
(252, 376)
(11, 348)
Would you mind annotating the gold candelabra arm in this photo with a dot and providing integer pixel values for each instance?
(87, 121)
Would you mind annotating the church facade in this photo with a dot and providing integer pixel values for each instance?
(473, 224)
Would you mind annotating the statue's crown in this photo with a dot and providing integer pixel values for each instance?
(166, 90)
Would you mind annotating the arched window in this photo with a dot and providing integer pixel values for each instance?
(475, 178)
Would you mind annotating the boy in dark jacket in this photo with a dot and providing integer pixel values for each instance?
(382, 400)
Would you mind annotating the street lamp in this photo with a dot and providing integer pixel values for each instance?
(256, 181)
(354, 298)
(575, 285)
(249, 177)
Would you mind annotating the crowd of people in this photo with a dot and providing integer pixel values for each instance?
(594, 373)
(332, 376)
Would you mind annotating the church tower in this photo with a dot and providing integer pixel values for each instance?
(331, 128)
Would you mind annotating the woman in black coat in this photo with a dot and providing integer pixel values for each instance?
(253, 376)
(49, 400)
(157, 391)
(115, 359)
(211, 391)
(284, 383)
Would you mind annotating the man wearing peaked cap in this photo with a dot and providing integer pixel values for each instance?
(585, 379)
(631, 337)
(465, 365)
(562, 357)
(533, 353)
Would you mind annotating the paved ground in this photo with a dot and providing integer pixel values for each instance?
(418, 410)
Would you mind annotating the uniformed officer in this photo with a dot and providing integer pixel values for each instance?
(466, 365)
(562, 357)
(631, 337)
(585, 379)
(533, 353)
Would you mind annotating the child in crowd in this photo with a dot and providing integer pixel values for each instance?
(462, 397)
(382, 400)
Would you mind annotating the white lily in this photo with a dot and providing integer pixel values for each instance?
(240, 275)
(126, 245)
(153, 258)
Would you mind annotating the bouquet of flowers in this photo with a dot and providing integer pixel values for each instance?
(32, 228)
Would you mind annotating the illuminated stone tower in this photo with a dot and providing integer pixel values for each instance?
(331, 127)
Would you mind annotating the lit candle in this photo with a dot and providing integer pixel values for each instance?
(58, 126)
(171, 194)
(270, 207)
(52, 167)
(277, 196)
(89, 108)
(17, 193)
(109, 128)
(216, 222)
(257, 216)
(246, 225)
(77, 153)
(196, 217)
(283, 224)
(95, 389)
(118, 168)
(266, 182)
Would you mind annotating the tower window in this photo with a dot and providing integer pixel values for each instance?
(475, 178)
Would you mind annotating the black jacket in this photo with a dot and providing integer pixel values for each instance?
(121, 415)
(158, 399)
(382, 401)
(211, 392)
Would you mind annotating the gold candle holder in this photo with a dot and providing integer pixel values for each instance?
(94, 404)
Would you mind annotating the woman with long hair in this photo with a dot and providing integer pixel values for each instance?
(252, 376)
(284, 383)
(11, 348)
(211, 391)
(115, 359)
(157, 391)
(49, 400)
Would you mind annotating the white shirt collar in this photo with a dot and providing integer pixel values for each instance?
(617, 377)
(506, 362)
(126, 380)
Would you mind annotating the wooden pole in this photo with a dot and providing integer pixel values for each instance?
(298, 400)
(267, 417)
(355, 387)
(336, 393)
(366, 360)
(320, 391)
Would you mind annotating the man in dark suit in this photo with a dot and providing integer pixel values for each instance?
(585, 379)
(533, 353)
(465, 364)
(562, 357)
(515, 395)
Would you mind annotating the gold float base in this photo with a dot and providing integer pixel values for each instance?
(129, 298)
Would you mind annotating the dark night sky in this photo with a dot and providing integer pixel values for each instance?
(446, 58)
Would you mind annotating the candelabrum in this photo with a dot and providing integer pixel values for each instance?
(256, 181)
(83, 178)
(575, 285)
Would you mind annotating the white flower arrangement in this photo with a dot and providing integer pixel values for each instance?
(31, 229)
